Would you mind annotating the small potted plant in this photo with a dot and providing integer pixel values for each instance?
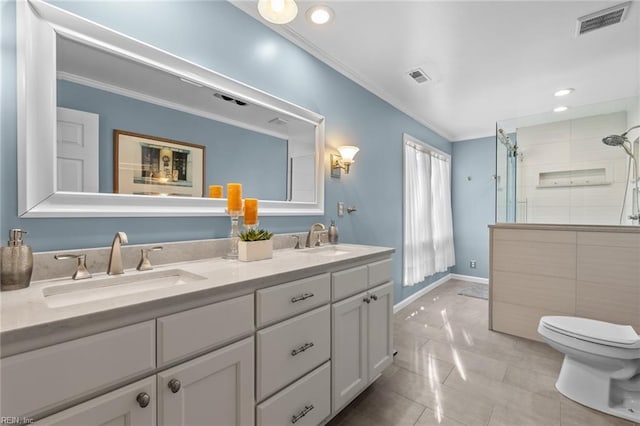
(255, 244)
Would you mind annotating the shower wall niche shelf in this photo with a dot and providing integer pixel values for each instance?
(569, 178)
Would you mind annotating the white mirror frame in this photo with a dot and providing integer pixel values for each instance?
(38, 24)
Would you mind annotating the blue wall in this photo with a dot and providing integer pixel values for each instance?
(473, 202)
(219, 36)
(223, 142)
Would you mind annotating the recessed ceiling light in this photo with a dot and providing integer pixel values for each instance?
(278, 11)
(563, 92)
(560, 109)
(319, 14)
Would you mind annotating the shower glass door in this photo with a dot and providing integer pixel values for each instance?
(505, 178)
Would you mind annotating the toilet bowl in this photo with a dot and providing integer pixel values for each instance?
(601, 363)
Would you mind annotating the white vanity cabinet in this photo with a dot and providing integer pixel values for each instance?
(295, 352)
(292, 357)
(214, 389)
(217, 387)
(43, 379)
(132, 405)
(362, 332)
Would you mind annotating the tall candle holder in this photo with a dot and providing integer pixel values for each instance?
(234, 235)
(250, 226)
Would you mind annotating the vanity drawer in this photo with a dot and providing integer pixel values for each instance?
(39, 380)
(290, 349)
(380, 272)
(285, 300)
(310, 395)
(348, 282)
(200, 329)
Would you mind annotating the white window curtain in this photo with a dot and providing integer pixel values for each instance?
(428, 224)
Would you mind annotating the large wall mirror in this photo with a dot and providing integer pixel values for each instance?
(110, 126)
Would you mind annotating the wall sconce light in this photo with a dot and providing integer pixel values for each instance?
(278, 11)
(344, 160)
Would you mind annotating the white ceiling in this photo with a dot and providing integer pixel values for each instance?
(489, 61)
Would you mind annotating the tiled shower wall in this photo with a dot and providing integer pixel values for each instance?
(573, 146)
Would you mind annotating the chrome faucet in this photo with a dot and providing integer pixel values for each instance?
(115, 258)
(312, 230)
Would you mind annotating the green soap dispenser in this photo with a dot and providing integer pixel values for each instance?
(16, 262)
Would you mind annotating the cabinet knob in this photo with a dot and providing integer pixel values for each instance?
(374, 297)
(174, 385)
(143, 399)
(366, 300)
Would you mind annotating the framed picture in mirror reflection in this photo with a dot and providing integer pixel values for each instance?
(151, 165)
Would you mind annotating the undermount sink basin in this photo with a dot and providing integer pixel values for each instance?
(330, 250)
(91, 289)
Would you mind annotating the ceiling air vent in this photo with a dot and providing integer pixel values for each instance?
(419, 76)
(602, 18)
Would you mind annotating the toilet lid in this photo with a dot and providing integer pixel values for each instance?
(605, 333)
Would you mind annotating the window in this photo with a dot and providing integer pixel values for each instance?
(428, 227)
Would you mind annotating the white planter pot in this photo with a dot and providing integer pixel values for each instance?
(255, 250)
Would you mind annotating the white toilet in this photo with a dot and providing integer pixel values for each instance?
(601, 363)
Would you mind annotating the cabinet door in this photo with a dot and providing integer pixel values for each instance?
(379, 319)
(214, 389)
(124, 406)
(349, 349)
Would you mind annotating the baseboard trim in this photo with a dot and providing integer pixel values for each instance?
(470, 278)
(420, 293)
(436, 284)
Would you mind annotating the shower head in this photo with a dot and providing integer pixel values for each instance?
(614, 140)
(620, 140)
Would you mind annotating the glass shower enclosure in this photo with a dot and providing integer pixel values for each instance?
(577, 167)
(505, 177)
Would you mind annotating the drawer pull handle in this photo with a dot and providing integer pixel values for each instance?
(302, 348)
(174, 385)
(302, 413)
(302, 297)
(143, 399)
(374, 297)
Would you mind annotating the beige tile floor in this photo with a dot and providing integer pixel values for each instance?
(451, 370)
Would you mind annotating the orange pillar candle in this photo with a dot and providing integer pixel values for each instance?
(215, 191)
(250, 211)
(234, 197)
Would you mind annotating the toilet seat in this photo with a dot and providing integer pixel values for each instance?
(603, 333)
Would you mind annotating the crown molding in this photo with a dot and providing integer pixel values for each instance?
(296, 38)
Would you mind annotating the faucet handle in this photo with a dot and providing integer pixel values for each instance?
(319, 235)
(145, 264)
(81, 269)
(297, 238)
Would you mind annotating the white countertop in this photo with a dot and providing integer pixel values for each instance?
(27, 321)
